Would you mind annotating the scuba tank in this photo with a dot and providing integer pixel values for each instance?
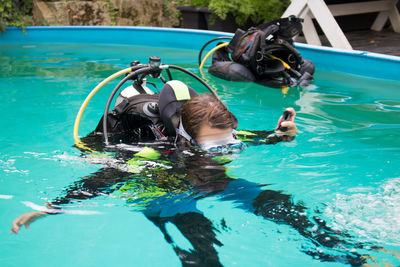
(131, 91)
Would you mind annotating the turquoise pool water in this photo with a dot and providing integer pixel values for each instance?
(342, 167)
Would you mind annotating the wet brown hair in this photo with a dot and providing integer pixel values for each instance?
(206, 109)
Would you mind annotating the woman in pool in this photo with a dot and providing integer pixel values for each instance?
(195, 175)
(207, 123)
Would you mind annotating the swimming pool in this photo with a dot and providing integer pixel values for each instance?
(342, 167)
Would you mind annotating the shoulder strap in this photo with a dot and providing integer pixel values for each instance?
(287, 27)
(271, 29)
(172, 96)
(180, 89)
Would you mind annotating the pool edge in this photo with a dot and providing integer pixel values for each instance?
(325, 58)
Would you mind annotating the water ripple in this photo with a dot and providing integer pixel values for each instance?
(370, 216)
(6, 197)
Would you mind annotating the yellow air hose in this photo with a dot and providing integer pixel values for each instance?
(212, 51)
(227, 43)
(89, 97)
(283, 62)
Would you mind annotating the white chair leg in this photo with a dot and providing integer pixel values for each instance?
(328, 24)
(295, 8)
(394, 17)
(380, 21)
(310, 33)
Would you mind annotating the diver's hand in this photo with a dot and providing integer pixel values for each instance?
(287, 128)
(26, 219)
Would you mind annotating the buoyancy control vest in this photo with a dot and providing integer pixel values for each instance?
(264, 54)
(141, 115)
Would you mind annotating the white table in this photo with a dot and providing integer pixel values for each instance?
(324, 15)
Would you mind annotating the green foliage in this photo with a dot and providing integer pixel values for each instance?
(178, 2)
(258, 11)
(169, 9)
(200, 3)
(15, 13)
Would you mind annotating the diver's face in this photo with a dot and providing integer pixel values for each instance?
(207, 134)
(216, 140)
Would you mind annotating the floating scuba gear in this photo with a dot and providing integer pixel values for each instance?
(137, 111)
(264, 54)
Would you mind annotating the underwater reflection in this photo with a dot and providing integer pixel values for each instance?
(165, 184)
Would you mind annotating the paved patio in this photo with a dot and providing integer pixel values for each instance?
(384, 42)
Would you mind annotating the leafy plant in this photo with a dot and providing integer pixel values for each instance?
(15, 13)
(258, 11)
(169, 9)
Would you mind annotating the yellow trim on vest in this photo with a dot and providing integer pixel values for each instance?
(243, 132)
(180, 89)
(148, 153)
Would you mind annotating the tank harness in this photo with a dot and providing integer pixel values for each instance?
(147, 116)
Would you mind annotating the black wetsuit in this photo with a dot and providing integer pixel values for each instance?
(196, 175)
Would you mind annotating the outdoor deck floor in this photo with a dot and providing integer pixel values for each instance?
(384, 42)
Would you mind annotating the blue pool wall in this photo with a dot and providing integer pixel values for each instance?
(325, 58)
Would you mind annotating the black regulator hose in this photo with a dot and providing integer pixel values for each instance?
(212, 40)
(196, 77)
(169, 74)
